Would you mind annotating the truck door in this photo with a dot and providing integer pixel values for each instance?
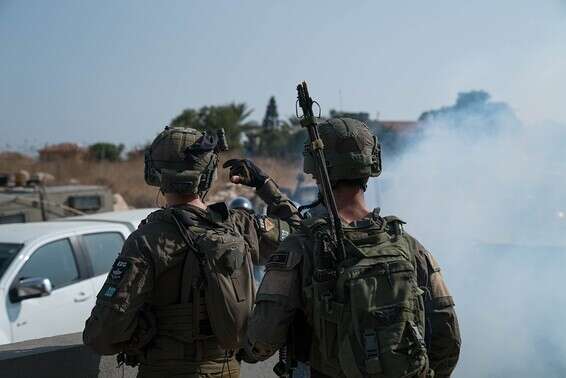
(66, 308)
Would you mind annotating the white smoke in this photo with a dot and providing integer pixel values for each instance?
(490, 204)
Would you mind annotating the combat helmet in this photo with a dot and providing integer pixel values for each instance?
(183, 160)
(351, 150)
(241, 203)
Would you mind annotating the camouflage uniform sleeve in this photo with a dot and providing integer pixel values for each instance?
(278, 298)
(117, 317)
(264, 233)
(278, 205)
(442, 330)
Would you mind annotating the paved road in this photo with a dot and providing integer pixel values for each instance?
(265, 369)
(260, 370)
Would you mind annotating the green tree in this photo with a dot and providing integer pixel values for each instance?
(271, 118)
(285, 142)
(231, 117)
(105, 151)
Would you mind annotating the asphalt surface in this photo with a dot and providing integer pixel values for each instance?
(260, 370)
(265, 369)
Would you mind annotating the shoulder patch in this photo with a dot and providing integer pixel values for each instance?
(110, 291)
(268, 224)
(288, 255)
(279, 259)
(283, 234)
(119, 268)
(265, 224)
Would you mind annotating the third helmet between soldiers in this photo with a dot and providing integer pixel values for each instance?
(241, 203)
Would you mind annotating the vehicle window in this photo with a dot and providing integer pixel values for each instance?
(54, 261)
(13, 218)
(103, 248)
(85, 203)
(7, 253)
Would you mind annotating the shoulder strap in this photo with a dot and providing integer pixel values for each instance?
(311, 225)
(186, 284)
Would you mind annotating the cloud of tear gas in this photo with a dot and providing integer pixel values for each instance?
(487, 195)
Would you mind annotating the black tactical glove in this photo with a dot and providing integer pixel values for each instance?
(249, 174)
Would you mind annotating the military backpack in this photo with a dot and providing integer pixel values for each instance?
(367, 311)
(219, 270)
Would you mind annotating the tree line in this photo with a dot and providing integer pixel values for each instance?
(284, 137)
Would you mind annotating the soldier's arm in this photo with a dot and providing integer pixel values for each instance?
(278, 299)
(116, 319)
(264, 233)
(278, 205)
(283, 215)
(443, 333)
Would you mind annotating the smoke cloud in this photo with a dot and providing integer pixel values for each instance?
(487, 195)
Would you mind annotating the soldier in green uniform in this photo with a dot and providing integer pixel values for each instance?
(177, 299)
(382, 311)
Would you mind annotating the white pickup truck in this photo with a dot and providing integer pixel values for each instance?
(50, 272)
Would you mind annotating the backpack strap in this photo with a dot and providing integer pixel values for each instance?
(189, 284)
(310, 226)
(186, 285)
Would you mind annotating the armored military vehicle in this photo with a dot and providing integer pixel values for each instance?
(32, 201)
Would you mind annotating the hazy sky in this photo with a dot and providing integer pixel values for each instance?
(121, 70)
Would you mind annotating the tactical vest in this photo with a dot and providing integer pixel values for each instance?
(367, 311)
(217, 292)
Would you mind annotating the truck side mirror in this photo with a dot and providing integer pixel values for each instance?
(33, 287)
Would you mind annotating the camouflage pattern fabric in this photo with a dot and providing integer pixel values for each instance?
(286, 291)
(139, 309)
(350, 148)
(181, 160)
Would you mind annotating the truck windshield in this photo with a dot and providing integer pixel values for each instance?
(7, 253)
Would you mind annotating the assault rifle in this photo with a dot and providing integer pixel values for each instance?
(316, 149)
(298, 330)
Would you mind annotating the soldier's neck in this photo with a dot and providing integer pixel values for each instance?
(351, 204)
(176, 199)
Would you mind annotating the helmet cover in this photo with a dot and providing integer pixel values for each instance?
(181, 160)
(351, 150)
